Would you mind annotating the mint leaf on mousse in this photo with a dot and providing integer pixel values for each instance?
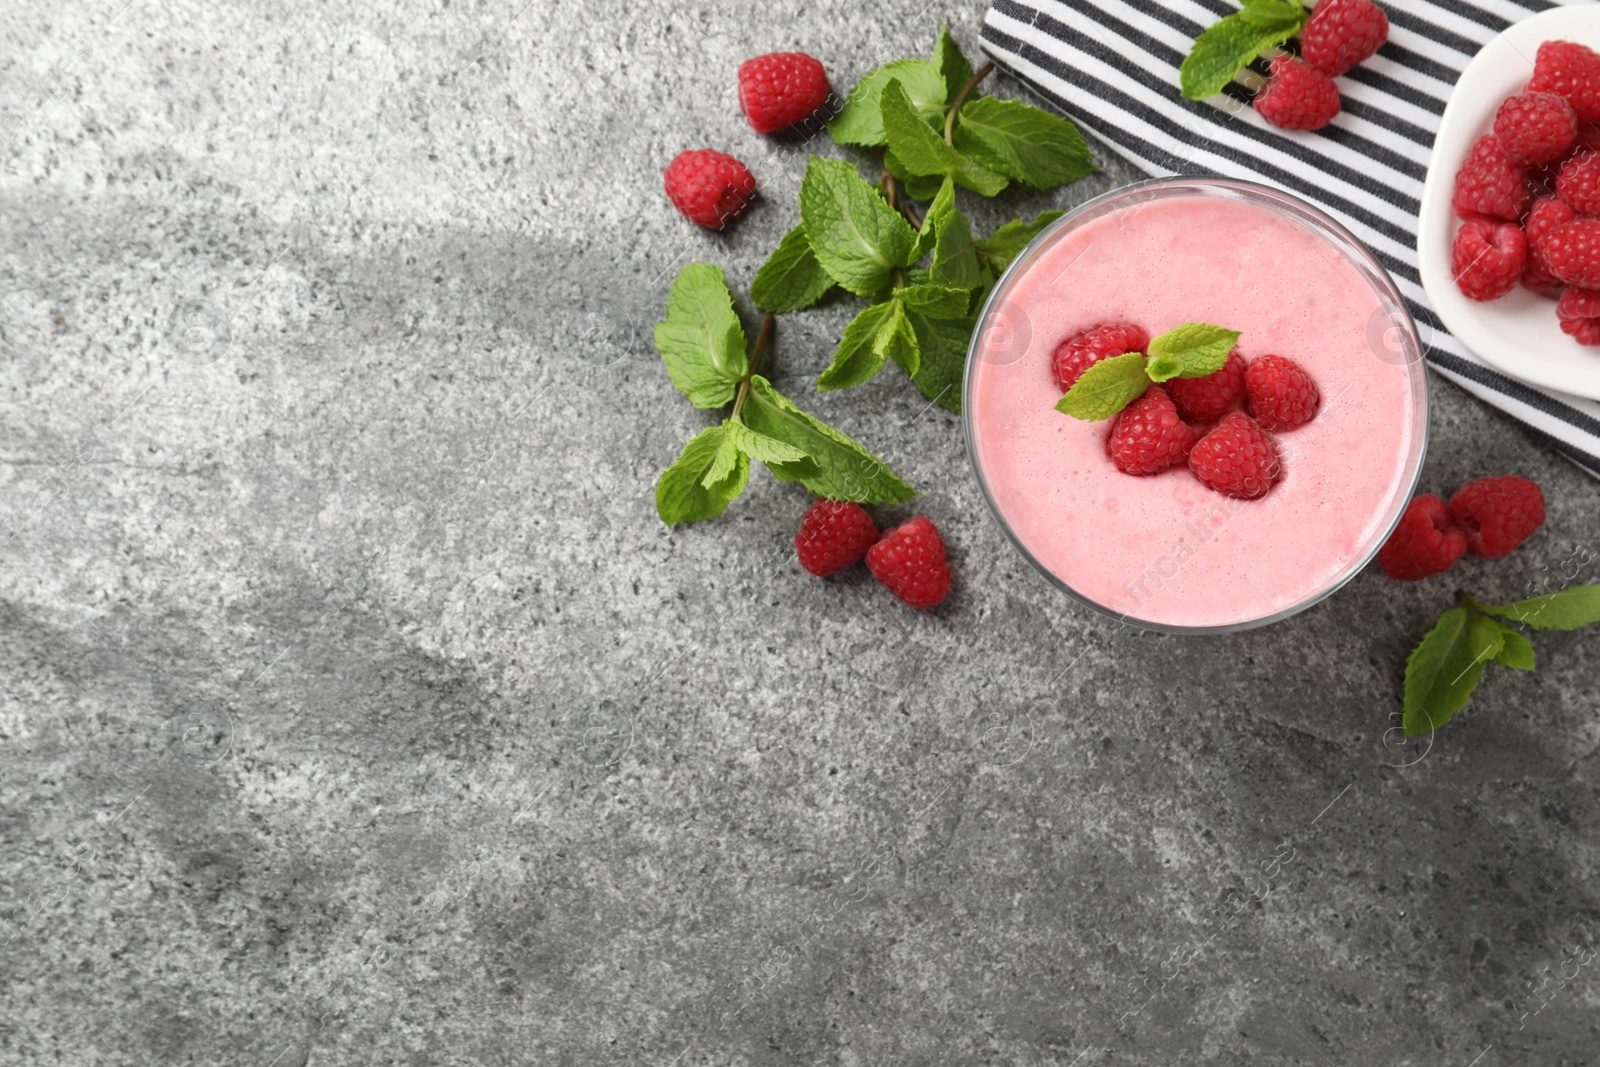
(1192, 350)
(1106, 388)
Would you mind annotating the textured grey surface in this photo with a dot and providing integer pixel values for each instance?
(355, 707)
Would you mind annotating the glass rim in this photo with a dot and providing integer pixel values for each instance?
(1327, 227)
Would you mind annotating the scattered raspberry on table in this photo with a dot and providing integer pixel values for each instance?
(782, 90)
(1083, 350)
(1237, 458)
(1297, 95)
(1147, 436)
(710, 187)
(1426, 541)
(1497, 514)
(1342, 33)
(910, 561)
(833, 535)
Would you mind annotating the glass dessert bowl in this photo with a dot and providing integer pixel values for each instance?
(1163, 551)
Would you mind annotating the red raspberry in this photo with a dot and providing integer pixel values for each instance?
(1572, 252)
(1545, 215)
(833, 535)
(1497, 514)
(1237, 458)
(1083, 350)
(1535, 128)
(911, 563)
(1578, 182)
(783, 89)
(1297, 96)
(1425, 543)
(1588, 137)
(1487, 258)
(1282, 395)
(1579, 312)
(1148, 436)
(709, 187)
(1342, 33)
(1204, 399)
(1569, 69)
(1489, 184)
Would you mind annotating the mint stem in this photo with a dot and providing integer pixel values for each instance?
(961, 98)
(768, 323)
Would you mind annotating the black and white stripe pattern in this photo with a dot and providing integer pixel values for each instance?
(1112, 65)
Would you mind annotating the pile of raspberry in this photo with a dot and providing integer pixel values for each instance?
(1300, 94)
(1220, 426)
(1529, 193)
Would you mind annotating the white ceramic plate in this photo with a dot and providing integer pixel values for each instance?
(1517, 334)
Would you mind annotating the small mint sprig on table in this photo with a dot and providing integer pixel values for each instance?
(1445, 668)
(1192, 350)
(1233, 43)
(702, 343)
(925, 277)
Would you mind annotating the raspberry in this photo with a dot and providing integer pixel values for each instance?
(1588, 137)
(1282, 395)
(1425, 543)
(1237, 458)
(1204, 399)
(710, 188)
(1579, 312)
(833, 535)
(910, 562)
(1148, 436)
(783, 89)
(1487, 258)
(1083, 350)
(1578, 182)
(1489, 184)
(1535, 128)
(1545, 215)
(1572, 252)
(1297, 96)
(1568, 69)
(1342, 33)
(1497, 514)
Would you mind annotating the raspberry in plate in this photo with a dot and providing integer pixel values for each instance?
(1488, 183)
(1545, 215)
(1578, 311)
(1572, 70)
(1572, 252)
(1487, 258)
(1535, 128)
(1578, 182)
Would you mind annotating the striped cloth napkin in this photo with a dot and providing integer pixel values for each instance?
(1112, 65)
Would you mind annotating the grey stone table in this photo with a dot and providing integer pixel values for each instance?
(356, 708)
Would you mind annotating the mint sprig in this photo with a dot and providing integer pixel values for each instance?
(1235, 41)
(702, 344)
(1446, 666)
(1192, 350)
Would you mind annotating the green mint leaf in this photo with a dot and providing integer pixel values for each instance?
(942, 345)
(1516, 651)
(860, 121)
(856, 237)
(916, 186)
(701, 340)
(1566, 610)
(1106, 388)
(979, 178)
(1192, 350)
(1022, 142)
(1274, 14)
(897, 341)
(1444, 669)
(682, 496)
(725, 460)
(858, 356)
(761, 447)
(914, 143)
(950, 63)
(838, 468)
(1227, 48)
(1005, 244)
(955, 258)
(791, 278)
(935, 301)
(939, 212)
